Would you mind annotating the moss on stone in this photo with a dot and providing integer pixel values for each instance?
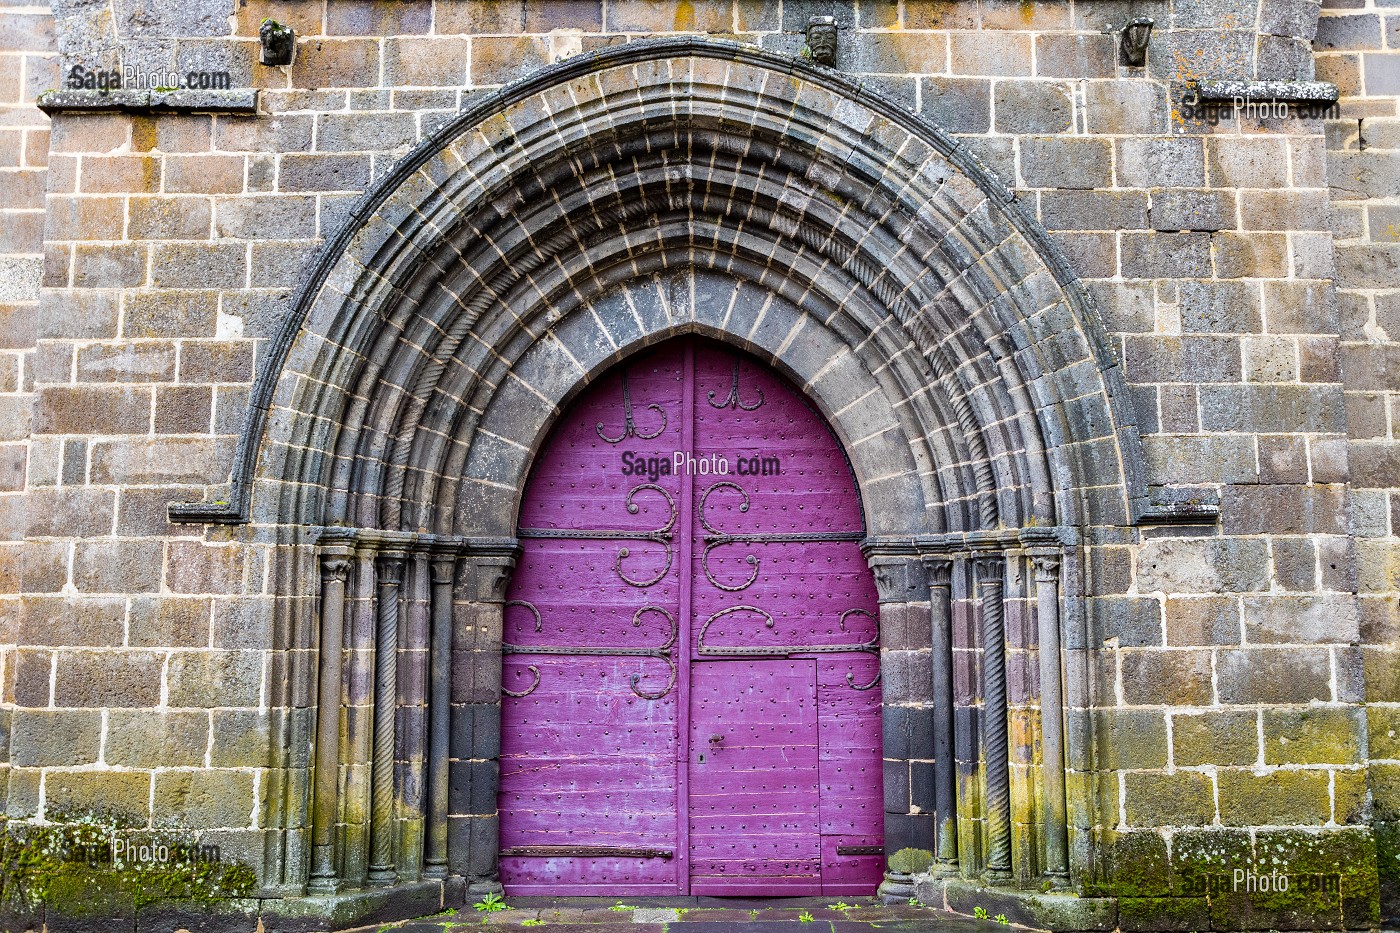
(911, 861)
(1135, 865)
(1163, 913)
(69, 866)
(1388, 866)
(1328, 878)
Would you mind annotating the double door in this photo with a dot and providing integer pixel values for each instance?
(690, 684)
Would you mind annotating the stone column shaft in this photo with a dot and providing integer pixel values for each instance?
(411, 742)
(990, 572)
(335, 569)
(381, 868)
(444, 571)
(940, 571)
(1052, 732)
(358, 693)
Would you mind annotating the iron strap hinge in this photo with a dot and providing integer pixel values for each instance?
(585, 852)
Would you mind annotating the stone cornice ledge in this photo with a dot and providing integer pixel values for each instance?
(242, 100)
(1215, 90)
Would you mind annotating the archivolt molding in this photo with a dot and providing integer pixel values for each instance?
(393, 396)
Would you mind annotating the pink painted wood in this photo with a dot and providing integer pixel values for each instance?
(692, 702)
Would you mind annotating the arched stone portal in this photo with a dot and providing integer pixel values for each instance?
(608, 203)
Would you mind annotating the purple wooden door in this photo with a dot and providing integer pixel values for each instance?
(691, 698)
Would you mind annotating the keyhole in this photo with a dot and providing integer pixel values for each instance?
(702, 759)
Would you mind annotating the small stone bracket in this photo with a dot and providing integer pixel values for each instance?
(243, 100)
(1210, 90)
(821, 40)
(279, 43)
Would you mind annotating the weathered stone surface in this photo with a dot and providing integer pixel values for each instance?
(1153, 163)
(122, 795)
(203, 799)
(1186, 798)
(142, 739)
(1203, 566)
(1295, 797)
(1273, 675)
(107, 678)
(1301, 619)
(958, 105)
(1224, 737)
(1314, 736)
(1138, 738)
(54, 738)
(215, 678)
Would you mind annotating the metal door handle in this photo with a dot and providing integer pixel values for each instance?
(716, 739)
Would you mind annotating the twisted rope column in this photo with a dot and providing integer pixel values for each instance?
(386, 672)
(990, 571)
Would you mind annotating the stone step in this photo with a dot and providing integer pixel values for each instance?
(697, 915)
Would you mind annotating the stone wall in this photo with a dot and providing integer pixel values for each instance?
(1230, 687)
(1358, 47)
(28, 65)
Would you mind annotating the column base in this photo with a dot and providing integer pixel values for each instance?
(350, 909)
(381, 876)
(321, 887)
(897, 888)
(997, 877)
(480, 887)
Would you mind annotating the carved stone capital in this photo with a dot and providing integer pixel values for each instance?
(899, 573)
(335, 568)
(991, 569)
(490, 564)
(1047, 567)
(444, 568)
(939, 568)
(389, 565)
